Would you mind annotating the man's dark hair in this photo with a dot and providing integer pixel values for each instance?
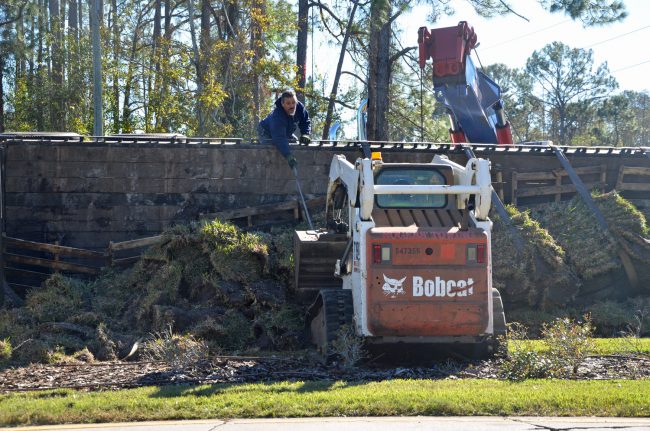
(286, 94)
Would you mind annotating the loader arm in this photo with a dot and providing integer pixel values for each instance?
(357, 181)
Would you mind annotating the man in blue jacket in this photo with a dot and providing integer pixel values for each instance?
(278, 127)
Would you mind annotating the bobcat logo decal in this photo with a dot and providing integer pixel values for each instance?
(393, 287)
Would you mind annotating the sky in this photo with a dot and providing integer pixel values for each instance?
(511, 40)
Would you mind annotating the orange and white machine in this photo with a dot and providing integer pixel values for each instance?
(417, 263)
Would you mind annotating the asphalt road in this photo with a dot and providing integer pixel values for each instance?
(371, 424)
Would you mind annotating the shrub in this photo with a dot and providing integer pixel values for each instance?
(348, 347)
(181, 352)
(569, 342)
(283, 326)
(5, 350)
(32, 352)
(521, 361)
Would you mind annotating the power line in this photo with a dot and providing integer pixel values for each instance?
(526, 35)
(616, 37)
(630, 67)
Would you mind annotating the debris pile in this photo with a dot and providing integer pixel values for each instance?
(225, 286)
(231, 289)
(568, 264)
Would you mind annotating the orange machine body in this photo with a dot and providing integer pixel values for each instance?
(427, 281)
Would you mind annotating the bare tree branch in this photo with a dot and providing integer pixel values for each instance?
(400, 53)
(507, 6)
(363, 81)
(19, 16)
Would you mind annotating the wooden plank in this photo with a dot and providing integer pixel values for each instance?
(126, 260)
(27, 272)
(621, 185)
(527, 176)
(46, 263)
(639, 187)
(551, 190)
(251, 211)
(635, 170)
(500, 184)
(264, 209)
(619, 178)
(51, 248)
(135, 243)
(513, 188)
(536, 176)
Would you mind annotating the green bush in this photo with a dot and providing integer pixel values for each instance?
(5, 350)
(569, 342)
(568, 345)
(181, 352)
(521, 361)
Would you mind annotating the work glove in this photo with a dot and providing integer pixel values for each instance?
(305, 139)
(291, 160)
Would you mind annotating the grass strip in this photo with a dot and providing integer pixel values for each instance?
(602, 346)
(627, 398)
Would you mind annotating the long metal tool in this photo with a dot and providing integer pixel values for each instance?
(630, 271)
(302, 198)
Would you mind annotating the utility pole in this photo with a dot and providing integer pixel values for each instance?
(98, 127)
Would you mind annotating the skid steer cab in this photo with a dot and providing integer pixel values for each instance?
(408, 247)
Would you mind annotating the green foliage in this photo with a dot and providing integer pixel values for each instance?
(568, 84)
(394, 397)
(237, 331)
(522, 362)
(210, 280)
(573, 226)
(523, 111)
(181, 352)
(628, 226)
(58, 300)
(5, 350)
(567, 345)
(32, 351)
(235, 255)
(591, 13)
(537, 276)
(283, 326)
(610, 317)
(569, 342)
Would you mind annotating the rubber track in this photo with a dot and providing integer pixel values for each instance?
(338, 310)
